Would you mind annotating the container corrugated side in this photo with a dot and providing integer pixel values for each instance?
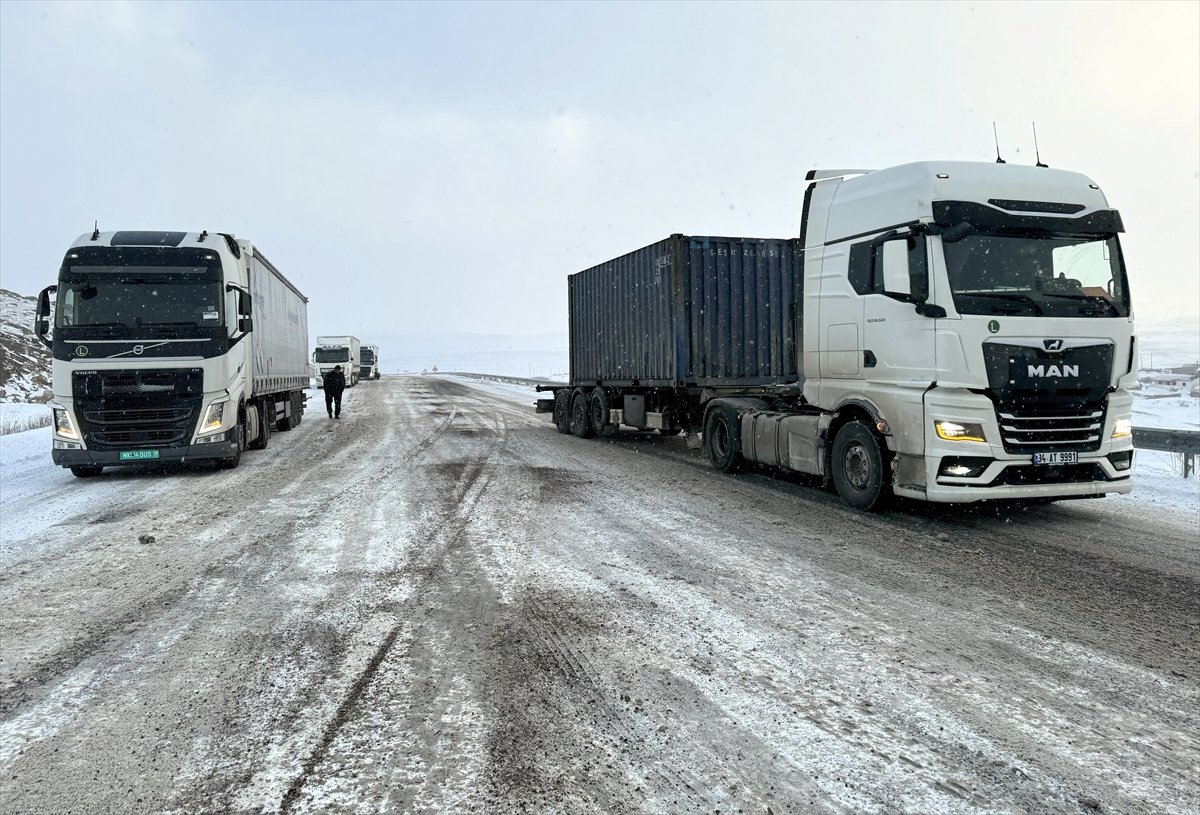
(622, 319)
(742, 309)
(688, 311)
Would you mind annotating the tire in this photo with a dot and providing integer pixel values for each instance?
(239, 433)
(562, 410)
(859, 465)
(723, 439)
(86, 472)
(581, 418)
(264, 426)
(598, 405)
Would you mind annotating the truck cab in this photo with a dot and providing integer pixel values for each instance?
(976, 320)
(152, 356)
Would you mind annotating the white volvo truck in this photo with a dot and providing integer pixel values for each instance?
(333, 351)
(171, 346)
(944, 331)
(368, 359)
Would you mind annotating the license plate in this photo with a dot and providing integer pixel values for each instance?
(1056, 458)
(137, 455)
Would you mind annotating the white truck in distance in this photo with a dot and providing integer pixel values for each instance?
(334, 351)
(171, 346)
(948, 331)
(368, 362)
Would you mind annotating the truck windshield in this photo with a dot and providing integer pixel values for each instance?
(331, 355)
(136, 297)
(1037, 274)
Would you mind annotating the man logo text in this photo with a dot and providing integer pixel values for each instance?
(1060, 371)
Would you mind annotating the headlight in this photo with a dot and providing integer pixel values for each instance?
(63, 425)
(213, 417)
(1122, 427)
(959, 431)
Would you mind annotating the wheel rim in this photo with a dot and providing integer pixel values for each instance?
(857, 466)
(721, 439)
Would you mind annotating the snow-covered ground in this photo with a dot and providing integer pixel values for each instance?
(438, 603)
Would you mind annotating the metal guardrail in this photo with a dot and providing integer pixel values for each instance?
(1185, 442)
(511, 380)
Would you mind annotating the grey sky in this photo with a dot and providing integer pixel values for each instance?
(430, 168)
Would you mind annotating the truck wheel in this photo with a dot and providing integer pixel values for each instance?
(86, 472)
(239, 434)
(598, 405)
(562, 410)
(859, 467)
(723, 440)
(581, 418)
(264, 427)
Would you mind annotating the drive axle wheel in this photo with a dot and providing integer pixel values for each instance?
(723, 440)
(860, 470)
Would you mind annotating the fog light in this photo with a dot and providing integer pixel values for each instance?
(959, 431)
(1122, 460)
(212, 437)
(963, 466)
(67, 445)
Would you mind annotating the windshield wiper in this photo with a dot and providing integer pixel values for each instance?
(1020, 298)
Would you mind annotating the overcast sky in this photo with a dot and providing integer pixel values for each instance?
(432, 168)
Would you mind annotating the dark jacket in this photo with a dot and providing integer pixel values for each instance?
(335, 382)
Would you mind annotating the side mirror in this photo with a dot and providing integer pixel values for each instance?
(41, 326)
(246, 325)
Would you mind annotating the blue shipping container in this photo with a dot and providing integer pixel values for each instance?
(689, 312)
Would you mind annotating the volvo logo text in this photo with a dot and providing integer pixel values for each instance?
(1061, 371)
(1053, 345)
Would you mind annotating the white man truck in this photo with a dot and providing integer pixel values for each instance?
(171, 346)
(333, 351)
(943, 331)
(368, 362)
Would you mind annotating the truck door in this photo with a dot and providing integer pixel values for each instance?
(898, 340)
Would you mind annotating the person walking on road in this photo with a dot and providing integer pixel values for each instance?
(334, 383)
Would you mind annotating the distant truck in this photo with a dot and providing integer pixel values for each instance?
(171, 346)
(333, 351)
(944, 331)
(368, 359)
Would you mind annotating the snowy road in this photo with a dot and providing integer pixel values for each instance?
(439, 604)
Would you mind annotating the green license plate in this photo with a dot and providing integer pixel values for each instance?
(138, 455)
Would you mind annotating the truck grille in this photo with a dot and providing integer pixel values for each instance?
(133, 409)
(1050, 430)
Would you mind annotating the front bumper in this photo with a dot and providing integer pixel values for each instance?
(175, 455)
(1010, 476)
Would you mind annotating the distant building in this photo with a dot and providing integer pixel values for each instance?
(1169, 380)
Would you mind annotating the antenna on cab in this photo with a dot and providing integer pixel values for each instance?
(96, 230)
(1035, 147)
(996, 135)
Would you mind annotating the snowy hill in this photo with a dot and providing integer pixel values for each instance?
(24, 361)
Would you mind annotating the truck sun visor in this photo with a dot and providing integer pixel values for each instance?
(990, 219)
